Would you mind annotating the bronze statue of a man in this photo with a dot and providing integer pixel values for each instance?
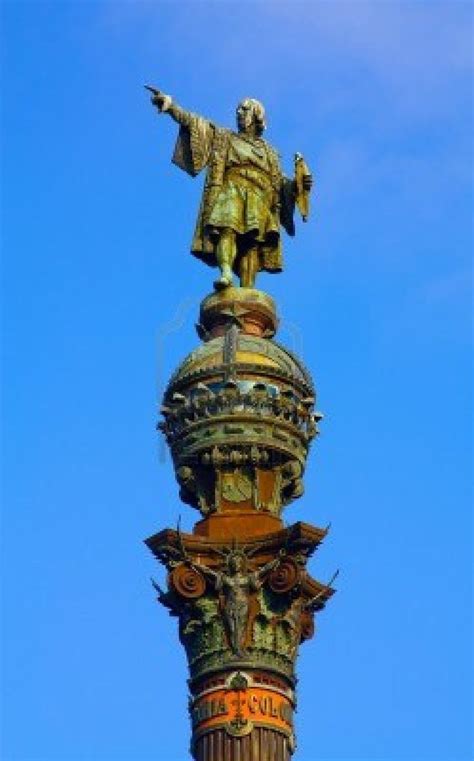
(246, 197)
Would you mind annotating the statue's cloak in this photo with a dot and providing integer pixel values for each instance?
(202, 144)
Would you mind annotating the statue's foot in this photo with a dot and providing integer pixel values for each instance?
(223, 282)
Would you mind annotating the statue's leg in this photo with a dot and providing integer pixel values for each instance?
(232, 629)
(243, 615)
(249, 267)
(226, 252)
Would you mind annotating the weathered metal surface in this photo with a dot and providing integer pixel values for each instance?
(239, 413)
(239, 416)
(248, 714)
(262, 744)
(246, 604)
(246, 198)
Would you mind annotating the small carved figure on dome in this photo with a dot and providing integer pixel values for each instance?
(284, 404)
(246, 196)
(292, 486)
(201, 401)
(228, 396)
(259, 399)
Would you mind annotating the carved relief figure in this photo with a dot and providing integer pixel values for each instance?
(237, 584)
(246, 197)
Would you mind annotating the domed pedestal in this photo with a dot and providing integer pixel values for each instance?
(253, 311)
(226, 526)
(239, 419)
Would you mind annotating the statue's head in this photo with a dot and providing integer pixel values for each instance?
(251, 115)
(236, 562)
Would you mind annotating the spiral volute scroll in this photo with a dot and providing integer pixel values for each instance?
(285, 576)
(187, 581)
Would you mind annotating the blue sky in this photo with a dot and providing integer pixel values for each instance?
(100, 299)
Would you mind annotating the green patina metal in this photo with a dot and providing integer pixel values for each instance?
(246, 198)
(239, 416)
(272, 628)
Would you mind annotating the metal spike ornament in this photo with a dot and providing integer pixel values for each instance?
(239, 417)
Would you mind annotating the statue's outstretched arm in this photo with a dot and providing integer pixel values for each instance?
(271, 565)
(215, 577)
(166, 105)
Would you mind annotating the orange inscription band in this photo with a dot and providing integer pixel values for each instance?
(239, 710)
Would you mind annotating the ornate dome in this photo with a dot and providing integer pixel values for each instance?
(239, 411)
(245, 359)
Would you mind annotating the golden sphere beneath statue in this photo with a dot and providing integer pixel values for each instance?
(253, 311)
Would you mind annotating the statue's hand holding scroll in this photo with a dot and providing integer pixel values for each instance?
(303, 183)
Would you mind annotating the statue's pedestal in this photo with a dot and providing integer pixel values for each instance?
(242, 698)
(239, 419)
(252, 310)
(243, 526)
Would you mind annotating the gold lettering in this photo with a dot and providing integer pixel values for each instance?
(253, 703)
(286, 713)
(209, 709)
(222, 707)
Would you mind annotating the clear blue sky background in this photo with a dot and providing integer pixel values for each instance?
(375, 295)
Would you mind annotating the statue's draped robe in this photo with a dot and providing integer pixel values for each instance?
(237, 592)
(244, 190)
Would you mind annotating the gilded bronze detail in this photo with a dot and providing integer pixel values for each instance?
(246, 198)
(239, 416)
(258, 603)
